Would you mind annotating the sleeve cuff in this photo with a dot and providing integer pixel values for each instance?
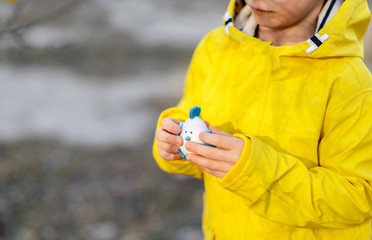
(233, 174)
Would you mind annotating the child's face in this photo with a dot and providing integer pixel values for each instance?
(280, 14)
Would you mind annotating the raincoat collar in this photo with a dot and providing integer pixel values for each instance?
(342, 34)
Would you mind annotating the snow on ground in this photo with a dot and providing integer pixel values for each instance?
(54, 103)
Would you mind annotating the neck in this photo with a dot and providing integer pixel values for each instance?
(287, 36)
(292, 34)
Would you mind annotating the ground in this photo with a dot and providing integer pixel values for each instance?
(49, 191)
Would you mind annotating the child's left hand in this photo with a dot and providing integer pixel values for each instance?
(216, 161)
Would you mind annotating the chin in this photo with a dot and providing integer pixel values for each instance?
(268, 22)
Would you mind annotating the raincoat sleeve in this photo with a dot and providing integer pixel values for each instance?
(196, 73)
(335, 194)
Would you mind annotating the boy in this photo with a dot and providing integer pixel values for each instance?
(284, 85)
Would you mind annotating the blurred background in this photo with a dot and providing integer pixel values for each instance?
(82, 83)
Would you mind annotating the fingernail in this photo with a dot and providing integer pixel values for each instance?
(176, 130)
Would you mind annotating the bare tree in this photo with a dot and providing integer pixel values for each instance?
(26, 14)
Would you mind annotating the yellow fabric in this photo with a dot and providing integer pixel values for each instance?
(306, 119)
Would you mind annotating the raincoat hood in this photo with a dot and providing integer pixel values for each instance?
(343, 34)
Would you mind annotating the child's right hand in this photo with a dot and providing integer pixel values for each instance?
(168, 141)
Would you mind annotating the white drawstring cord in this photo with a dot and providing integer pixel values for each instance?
(315, 42)
(228, 22)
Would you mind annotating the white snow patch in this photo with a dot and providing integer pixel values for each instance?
(55, 103)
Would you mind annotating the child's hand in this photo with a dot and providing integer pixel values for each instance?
(167, 140)
(216, 161)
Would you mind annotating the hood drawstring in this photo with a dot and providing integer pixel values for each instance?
(228, 22)
(329, 9)
(315, 42)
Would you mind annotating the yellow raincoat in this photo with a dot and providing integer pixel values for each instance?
(306, 118)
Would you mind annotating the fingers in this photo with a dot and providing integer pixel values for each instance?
(168, 142)
(168, 145)
(211, 152)
(216, 161)
(219, 139)
(169, 156)
(166, 137)
(214, 167)
(171, 125)
(169, 148)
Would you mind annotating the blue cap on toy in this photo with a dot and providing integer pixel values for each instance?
(195, 112)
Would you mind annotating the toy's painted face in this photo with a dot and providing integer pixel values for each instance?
(191, 130)
(189, 134)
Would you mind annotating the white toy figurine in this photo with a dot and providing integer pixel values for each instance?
(190, 130)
